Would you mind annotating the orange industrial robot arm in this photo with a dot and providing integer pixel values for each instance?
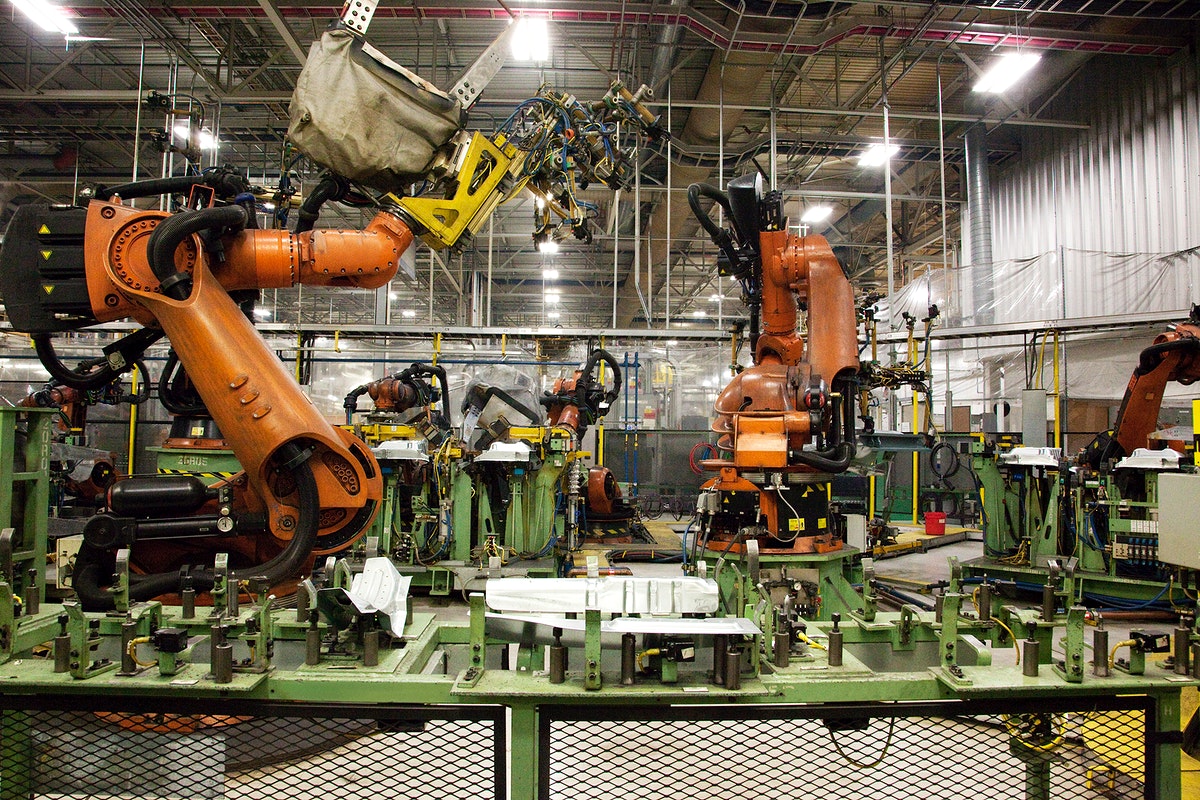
(1173, 356)
(798, 390)
(176, 272)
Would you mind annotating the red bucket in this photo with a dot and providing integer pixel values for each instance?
(935, 523)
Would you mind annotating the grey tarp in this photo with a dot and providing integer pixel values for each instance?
(367, 118)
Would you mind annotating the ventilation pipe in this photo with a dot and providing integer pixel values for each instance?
(979, 209)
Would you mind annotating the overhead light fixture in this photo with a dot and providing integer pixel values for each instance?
(262, 313)
(553, 297)
(814, 214)
(550, 274)
(408, 313)
(671, 342)
(548, 247)
(699, 313)
(205, 139)
(1005, 71)
(553, 314)
(393, 295)
(47, 16)
(531, 40)
(877, 155)
(716, 298)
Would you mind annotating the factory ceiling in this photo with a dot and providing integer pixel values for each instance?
(793, 90)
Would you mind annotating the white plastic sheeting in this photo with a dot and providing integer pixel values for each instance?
(1105, 220)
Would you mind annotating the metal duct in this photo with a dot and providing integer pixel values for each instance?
(665, 48)
(979, 211)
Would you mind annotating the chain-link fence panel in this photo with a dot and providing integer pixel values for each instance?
(869, 752)
(253, 752)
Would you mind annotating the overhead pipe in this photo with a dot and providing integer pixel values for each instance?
(766, 39)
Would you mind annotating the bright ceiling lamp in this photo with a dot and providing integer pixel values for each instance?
(877, 155)
(550, 274)
(205, 140)
(48, 16)
(814, 214)
(531, 40)
(553, 297)
(1006, 71)
(548, 247)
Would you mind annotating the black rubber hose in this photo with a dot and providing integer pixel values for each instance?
(698, 190)
(838, 461)
(934, 461)
(94, 565)
(329, 188)
(149, 188)
(137, 341)
(595, 358)
(172, 396)
(1152, 356)
(838, 457)
(350, 401)
(171, 232)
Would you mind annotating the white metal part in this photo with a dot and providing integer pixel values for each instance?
(401, 450)
(612, 595)
(514, 452)
(1143, 458)
(665, 625)
(1032, 457)
(356, 15)
(381, 588)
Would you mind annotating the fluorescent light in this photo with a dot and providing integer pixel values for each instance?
(550, 274)
(408, 313)
(716, 298)
(548, 247)
(671, 342)
(553, 315)
(816, 214)
(262, 313)
(877, 155)
(48, 16)
(1006, 71)
(531, 40)
(553, 297)
(699, 313)
(393, 295)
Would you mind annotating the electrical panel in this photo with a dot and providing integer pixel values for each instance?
(1178, 534)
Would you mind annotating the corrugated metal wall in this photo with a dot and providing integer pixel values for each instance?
(1117, 203)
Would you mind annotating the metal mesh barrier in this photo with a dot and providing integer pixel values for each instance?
(836, 753)
(312, 753)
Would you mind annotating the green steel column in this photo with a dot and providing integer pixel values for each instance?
(591, 649)
(523, 753)
(516, 535)
(16, 756)
(1165, 740)
(478, 630)
(460, 516)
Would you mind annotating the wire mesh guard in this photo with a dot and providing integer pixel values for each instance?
(75, 754)
(1018, 756)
